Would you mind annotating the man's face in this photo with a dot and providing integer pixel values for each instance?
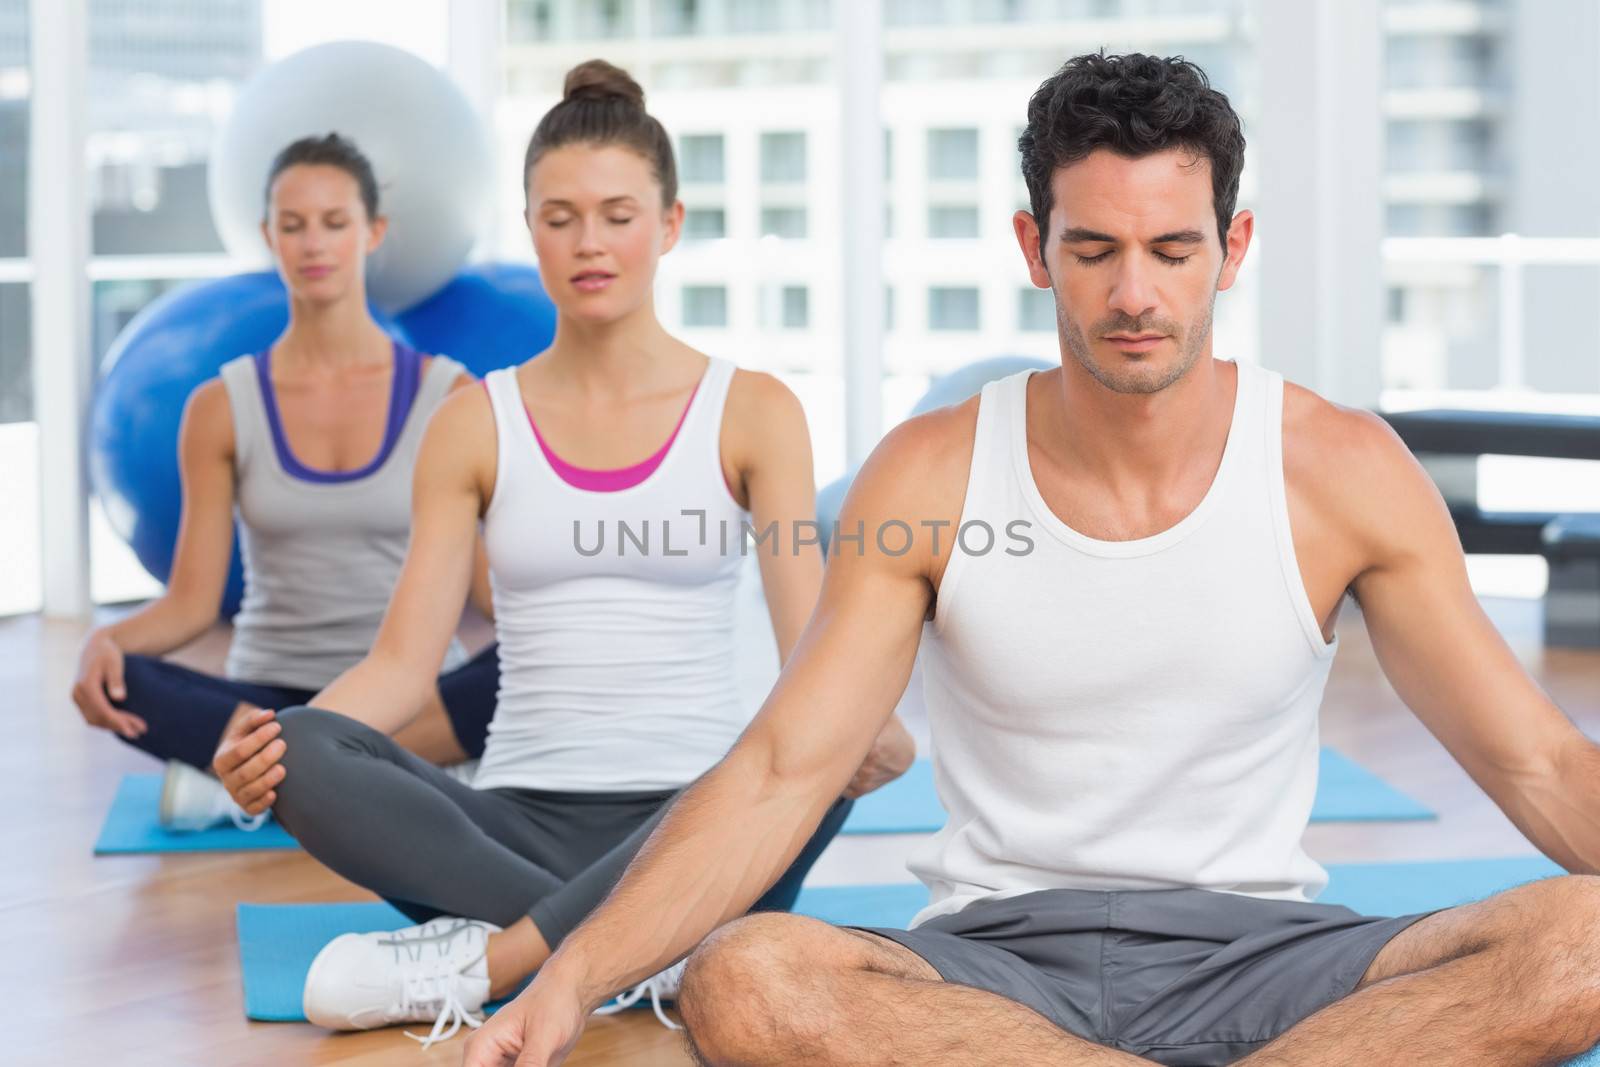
(1133, 256)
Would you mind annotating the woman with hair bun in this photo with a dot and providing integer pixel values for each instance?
(311, 443)
(613, 477)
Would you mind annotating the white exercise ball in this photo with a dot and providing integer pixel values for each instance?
(428, 147)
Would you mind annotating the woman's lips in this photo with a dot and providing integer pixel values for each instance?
(592, 283)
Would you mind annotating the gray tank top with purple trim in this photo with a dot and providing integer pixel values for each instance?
(321, 552)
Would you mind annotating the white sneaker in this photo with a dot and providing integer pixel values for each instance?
(193, 800)
(659, 987)
(438, 971)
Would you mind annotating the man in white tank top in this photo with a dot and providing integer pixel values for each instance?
(1124, 575)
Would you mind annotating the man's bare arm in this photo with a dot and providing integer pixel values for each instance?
(1443, 655)
(734, 832)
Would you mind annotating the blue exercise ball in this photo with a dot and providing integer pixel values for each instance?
(490, 315)
(179, 341)
(968, 381)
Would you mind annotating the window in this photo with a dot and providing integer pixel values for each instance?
(705, 224)
(953, 155)
(705, 305)
(1036, 309)
(796, 307)
(700, 157)
(753, 16)
(783, 157)
(603, 18)
(952, 308)
(953, 221)
(528, 20)
(783, 222)
(675, 18)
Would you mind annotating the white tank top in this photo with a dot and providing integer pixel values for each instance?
(614, 611)
(1114, 715)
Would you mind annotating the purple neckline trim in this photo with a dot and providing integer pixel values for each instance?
(402, 395)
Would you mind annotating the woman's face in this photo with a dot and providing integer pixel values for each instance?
(598, 228)
(319, 233)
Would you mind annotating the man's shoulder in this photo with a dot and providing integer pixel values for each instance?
(1323, 439)
(918, 473)
(1351, 469)
(928, 454)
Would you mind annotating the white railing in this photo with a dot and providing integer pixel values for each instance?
(181, 266)
(1509, 253)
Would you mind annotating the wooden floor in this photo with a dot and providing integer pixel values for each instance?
(132, 960)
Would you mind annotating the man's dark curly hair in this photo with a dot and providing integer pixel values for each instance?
(1135, 105)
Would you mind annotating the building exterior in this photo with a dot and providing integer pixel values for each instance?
(748, 88)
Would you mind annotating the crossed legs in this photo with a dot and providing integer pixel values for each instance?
(1511, 980)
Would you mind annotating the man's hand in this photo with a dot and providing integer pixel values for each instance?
(247, 760)
(890, 757)
(99, 682)
(537, 1029)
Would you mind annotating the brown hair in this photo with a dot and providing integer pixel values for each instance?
(601, 104)
(330, 151)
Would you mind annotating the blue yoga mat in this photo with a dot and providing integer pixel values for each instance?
(277, 942)
(131, 826)
(1346, 792)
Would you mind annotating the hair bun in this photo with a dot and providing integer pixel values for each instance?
(598, 80)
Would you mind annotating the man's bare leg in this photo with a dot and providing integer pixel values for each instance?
(782, 989)
(1509, 981)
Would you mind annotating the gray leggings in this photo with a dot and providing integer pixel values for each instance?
(431, 845)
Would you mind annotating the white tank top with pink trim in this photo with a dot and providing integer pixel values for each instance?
(614, 610)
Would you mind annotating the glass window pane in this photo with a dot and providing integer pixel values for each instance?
(796, 307)
(161, 80)
(953, 221)
(16, 363)
(952, 308)
(528, 20)
(674, 18)
(700, 157)
(705, 223)
(705, 305)
(783, 222)
(783, 157)
(1036, 309)
(953, 155)
(602, 18)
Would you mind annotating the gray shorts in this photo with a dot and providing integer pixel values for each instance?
(1183, 977)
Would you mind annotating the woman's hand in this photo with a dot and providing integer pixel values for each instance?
(99, 682)
(248, 758)
(890, 757)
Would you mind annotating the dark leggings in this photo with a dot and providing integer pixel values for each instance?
(187, 710)
(431, 845)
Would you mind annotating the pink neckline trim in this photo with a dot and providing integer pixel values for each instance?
(608, 481)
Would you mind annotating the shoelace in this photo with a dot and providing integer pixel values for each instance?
(451, 1012)
(437, 986)
(247, 822)
(426, 986)
(658, 985)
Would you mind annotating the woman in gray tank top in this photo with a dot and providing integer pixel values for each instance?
(611, 666)
(310, 444)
